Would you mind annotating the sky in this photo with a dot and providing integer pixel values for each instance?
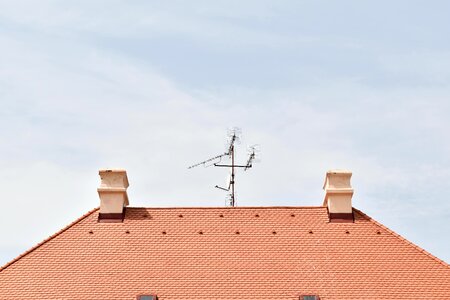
(153, 87)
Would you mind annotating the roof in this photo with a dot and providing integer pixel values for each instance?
(225, 253)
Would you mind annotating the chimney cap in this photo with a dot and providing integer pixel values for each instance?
(112, 170)
(113, 178)
(335, 173)
(339, 171)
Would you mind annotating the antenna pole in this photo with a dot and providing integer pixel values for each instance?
(232, 176)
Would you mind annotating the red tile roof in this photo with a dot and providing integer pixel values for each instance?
(225, 253)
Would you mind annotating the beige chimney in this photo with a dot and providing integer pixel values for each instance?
(338, 195)
(113, 195)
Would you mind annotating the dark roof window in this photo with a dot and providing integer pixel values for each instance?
(147, 297)
(309, 297)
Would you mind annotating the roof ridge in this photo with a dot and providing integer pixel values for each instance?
(228, 207)
(48, 238)
(406, 241)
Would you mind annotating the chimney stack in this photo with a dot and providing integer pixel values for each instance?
(113, 195)
(338, 195)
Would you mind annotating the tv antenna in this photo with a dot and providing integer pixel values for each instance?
(234, 138)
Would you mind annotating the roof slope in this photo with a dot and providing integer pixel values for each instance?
(226, 253)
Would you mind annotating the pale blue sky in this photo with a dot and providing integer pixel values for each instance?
(152, 87)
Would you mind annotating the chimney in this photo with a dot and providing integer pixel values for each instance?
(338, 195)
(113, 195)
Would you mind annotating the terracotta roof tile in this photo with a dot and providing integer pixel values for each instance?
(241, 253)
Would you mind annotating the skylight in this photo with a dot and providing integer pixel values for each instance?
(309, 297)
(147, 297)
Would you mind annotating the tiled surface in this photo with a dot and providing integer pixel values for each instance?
(225, 253)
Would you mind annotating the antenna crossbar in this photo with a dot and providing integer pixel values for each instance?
(229, 166)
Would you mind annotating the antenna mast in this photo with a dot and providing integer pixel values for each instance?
(234, 138)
